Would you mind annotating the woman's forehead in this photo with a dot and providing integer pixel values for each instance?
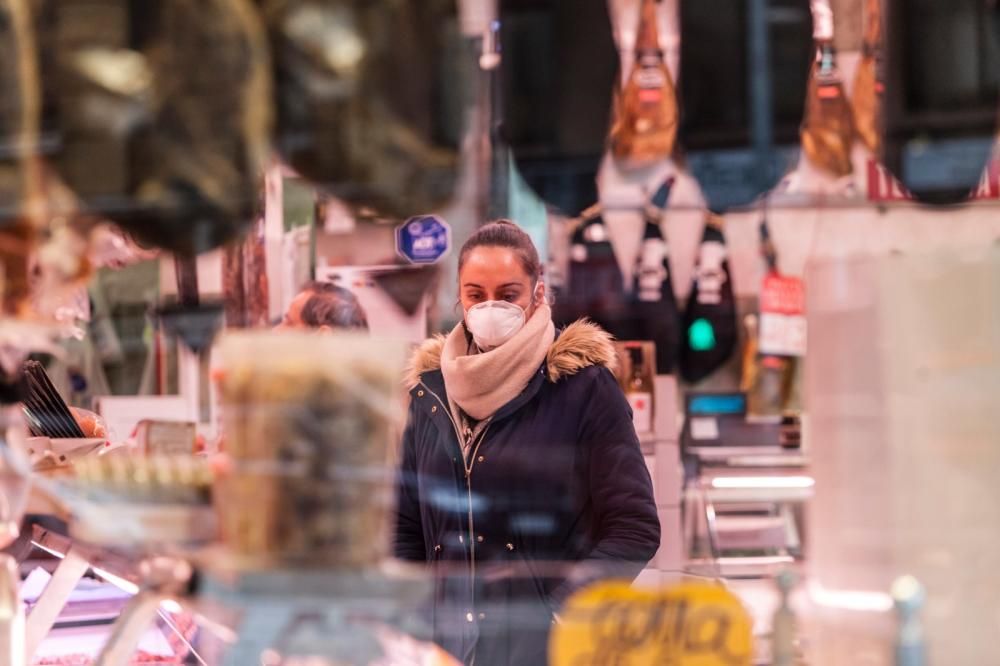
(495, 265)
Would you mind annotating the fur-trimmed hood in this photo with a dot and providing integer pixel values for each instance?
(578, 346)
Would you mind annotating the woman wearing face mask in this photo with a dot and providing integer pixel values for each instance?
(521, 477)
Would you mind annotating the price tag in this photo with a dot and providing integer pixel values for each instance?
(691, 624)
(783, 329)
(166, 437)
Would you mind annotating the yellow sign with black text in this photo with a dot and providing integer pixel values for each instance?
(690, 624)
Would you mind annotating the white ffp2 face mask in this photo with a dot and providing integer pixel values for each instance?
(494, 322)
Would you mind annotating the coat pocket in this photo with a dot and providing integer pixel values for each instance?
(434, 564)
(528, 572)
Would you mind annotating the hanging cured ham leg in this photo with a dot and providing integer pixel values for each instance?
(828, 130)
(646, 110)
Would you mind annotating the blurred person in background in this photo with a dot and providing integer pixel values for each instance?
(324, 306)
(319, 306)
(521, 480)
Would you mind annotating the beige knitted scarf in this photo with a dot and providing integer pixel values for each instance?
(481, 383)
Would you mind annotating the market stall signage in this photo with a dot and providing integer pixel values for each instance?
(782, 316)
(424, 239)
(884, 187)
(690, 624)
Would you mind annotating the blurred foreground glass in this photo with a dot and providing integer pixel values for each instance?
(171, 99)
(15, 472)
(309, 423)
(902, 379)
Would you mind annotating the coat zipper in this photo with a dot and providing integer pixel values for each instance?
(467, 466)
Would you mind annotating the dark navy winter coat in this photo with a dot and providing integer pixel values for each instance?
(555, 495)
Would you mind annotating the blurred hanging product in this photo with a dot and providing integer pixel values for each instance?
(828, 130)
(595, 287)
(740, 120)
(17, 241)
(942, 67)
(656, 314)
(19, 118)
(645, 126)
(866, 98)
(559, 68)
(157, 114)
(710, 317)
(19, 107)
(244, 276)
(370, 97)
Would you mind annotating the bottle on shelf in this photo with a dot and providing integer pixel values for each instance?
(909, 596)
(639, 390)
(783, 623)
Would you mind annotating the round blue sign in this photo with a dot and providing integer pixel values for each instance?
(423, 239)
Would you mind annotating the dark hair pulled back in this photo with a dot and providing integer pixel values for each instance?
(505, 233)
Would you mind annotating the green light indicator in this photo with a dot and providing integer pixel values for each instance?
(701, 335)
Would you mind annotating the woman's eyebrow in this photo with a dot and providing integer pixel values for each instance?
(472, 285)
(510, 284)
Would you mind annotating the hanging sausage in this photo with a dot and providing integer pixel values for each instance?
(828, 130)
(645, 125)
(157, 113)
(244, 276)
(370, 99)
(558, 70)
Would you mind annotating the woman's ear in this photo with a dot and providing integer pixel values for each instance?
(540, 294)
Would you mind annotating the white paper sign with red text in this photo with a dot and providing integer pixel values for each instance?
(782, 316)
